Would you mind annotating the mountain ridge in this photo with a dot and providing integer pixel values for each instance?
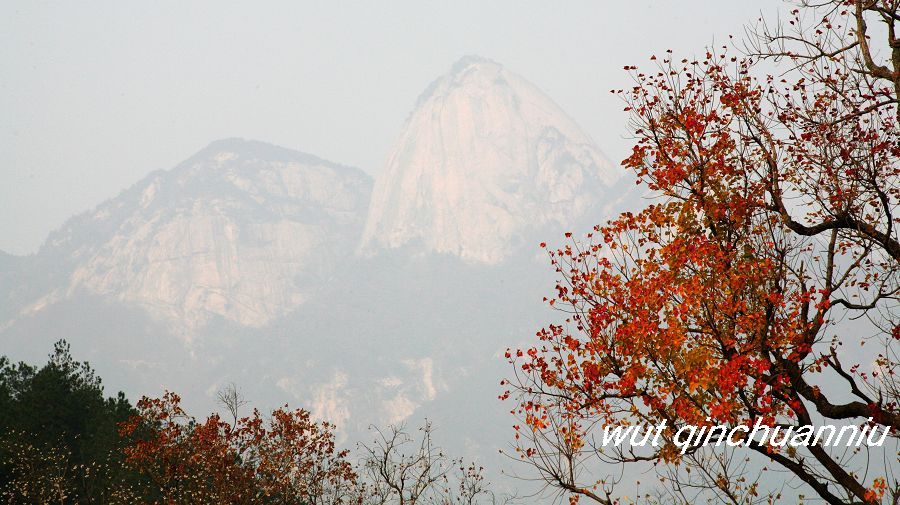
(247, 263)
(219, 232)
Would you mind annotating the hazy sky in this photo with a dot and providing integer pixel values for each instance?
(94, 95)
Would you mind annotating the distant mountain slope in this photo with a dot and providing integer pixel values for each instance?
(242, 230)
(484, 160)
(240, 265)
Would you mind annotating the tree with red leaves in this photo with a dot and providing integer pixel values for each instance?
(741, 295)
(287, 459)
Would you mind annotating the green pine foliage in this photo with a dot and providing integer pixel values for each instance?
(59, 440)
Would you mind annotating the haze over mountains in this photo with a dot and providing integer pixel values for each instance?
(292, 277)
(245, 230)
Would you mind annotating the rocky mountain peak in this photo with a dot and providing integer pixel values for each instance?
(485, 160)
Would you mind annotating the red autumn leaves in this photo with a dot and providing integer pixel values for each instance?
(773, 221)
(287, 458)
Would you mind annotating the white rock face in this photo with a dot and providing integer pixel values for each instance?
(243, 230)
(484, 159)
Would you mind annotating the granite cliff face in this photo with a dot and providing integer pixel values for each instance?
(484, 160)
(242, 230)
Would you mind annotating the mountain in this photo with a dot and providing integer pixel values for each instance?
(485, 162)
(242, 230)
(242, 264)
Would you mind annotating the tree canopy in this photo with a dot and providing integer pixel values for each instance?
(726, 301)
(59, 439)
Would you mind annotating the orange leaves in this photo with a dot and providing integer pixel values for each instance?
(290, 456)
(775, 219)
(877, 491)
(674, 309)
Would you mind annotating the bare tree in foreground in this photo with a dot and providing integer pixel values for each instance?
(403, 469)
